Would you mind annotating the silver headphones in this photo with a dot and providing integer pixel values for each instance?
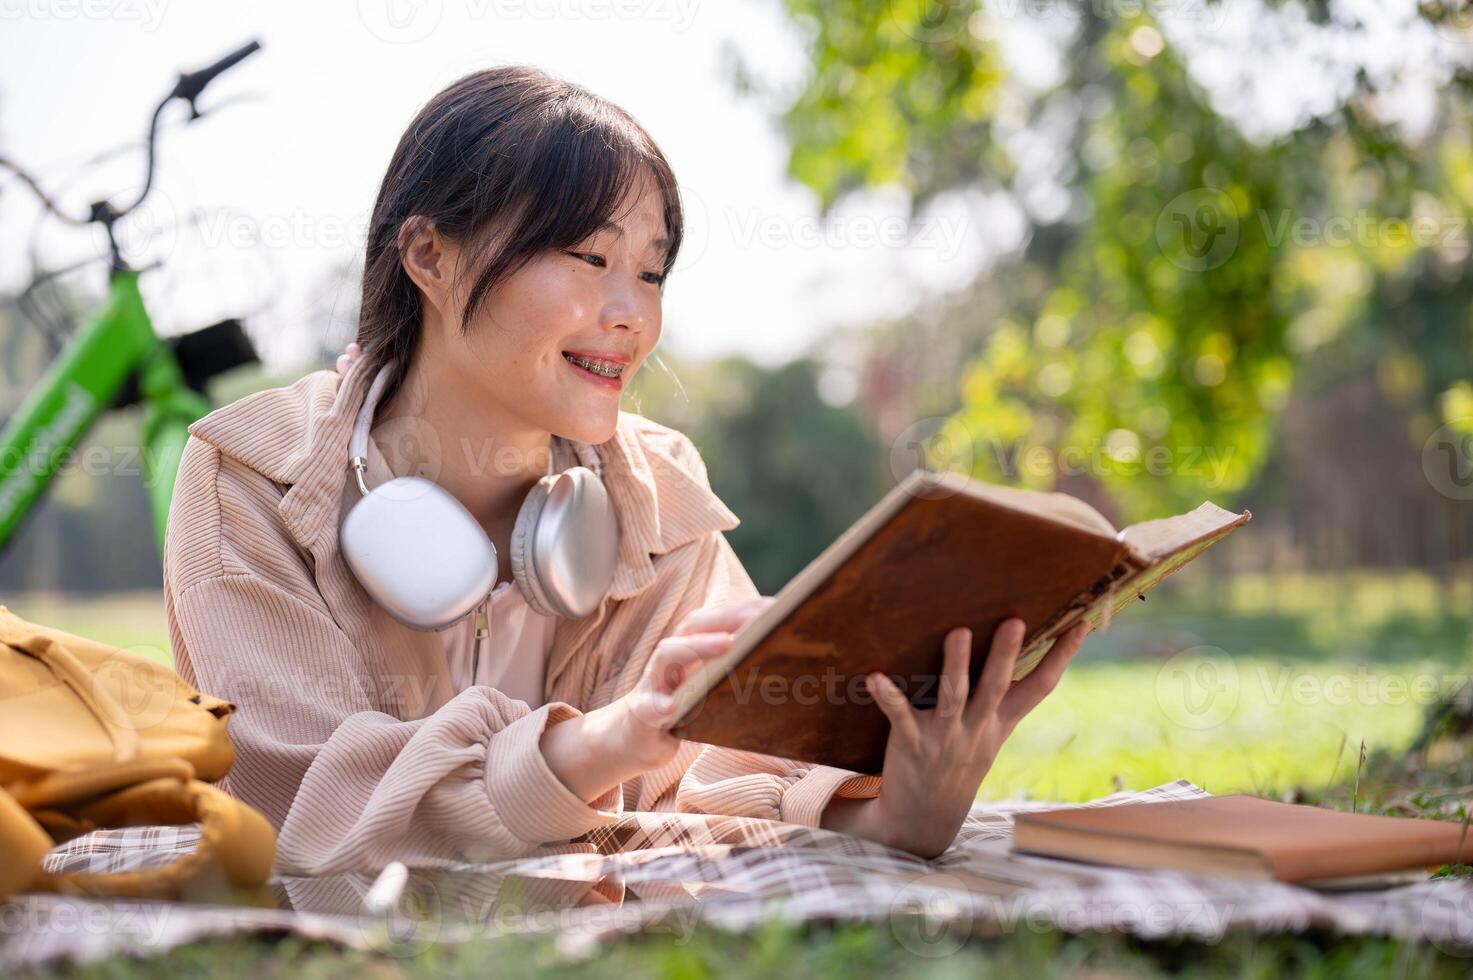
(422, 556)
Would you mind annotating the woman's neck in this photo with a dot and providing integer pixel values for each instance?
(437, 427)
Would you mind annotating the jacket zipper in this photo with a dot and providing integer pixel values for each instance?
(482, 631)
(481, 620)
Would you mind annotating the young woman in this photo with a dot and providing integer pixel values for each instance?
(515, 262)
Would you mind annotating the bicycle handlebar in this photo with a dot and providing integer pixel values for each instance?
(188, 87)
(191, 84)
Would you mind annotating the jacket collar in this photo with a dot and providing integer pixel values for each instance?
(297, 436)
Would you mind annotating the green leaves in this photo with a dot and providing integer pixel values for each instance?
(1199, 277)
(901, 93)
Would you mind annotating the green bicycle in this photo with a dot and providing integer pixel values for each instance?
(117, 360)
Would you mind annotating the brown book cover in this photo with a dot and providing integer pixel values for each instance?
(1242, 836)
(940, 550)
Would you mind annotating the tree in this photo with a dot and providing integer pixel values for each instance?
(1205, 266)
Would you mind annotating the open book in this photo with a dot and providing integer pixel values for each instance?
(940, 550)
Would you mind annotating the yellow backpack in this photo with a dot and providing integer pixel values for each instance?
(93, 736)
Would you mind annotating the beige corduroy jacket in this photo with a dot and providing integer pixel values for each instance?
(349, 734)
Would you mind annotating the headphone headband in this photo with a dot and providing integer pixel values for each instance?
(358, 442)
(422, 556)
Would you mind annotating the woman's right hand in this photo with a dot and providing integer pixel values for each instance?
(631, 735)
(647, 712)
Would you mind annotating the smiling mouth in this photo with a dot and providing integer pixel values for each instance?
(604, 369)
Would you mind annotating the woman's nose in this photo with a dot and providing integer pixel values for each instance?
(626, 307)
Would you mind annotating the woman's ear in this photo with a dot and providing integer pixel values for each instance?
(429, 261)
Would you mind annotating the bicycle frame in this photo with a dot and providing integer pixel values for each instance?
(117, 344)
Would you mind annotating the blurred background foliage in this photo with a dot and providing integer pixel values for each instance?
(1207, 304)
(1201, 284)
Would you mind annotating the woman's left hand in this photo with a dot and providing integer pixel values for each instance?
(936, 759)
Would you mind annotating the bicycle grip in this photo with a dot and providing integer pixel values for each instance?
(191, 84)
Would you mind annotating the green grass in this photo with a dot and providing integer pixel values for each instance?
(1266, 684)
(1114, 725)
(812, 952)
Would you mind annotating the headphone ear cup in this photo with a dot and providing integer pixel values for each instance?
(523, 569)
(418, 553)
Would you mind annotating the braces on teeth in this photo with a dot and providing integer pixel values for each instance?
(608, 371)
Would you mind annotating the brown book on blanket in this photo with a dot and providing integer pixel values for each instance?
(1242, 836)
(940, 550)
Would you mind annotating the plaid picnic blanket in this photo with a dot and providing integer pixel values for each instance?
(669, 872)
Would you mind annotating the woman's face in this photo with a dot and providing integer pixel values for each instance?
(599, 300)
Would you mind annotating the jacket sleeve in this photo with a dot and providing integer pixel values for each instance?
(716, 779)
(349, 785)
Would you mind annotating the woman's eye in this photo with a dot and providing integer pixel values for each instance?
(655, 278)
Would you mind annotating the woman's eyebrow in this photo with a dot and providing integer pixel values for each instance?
(617, 230)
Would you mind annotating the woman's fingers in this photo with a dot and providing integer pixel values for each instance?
(997, 672)
(954, 680)
(896, 706)
(1031, 690)
(700, 637)
(675, 658)
(726, 618)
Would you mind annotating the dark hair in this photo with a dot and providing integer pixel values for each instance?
(510, 161)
